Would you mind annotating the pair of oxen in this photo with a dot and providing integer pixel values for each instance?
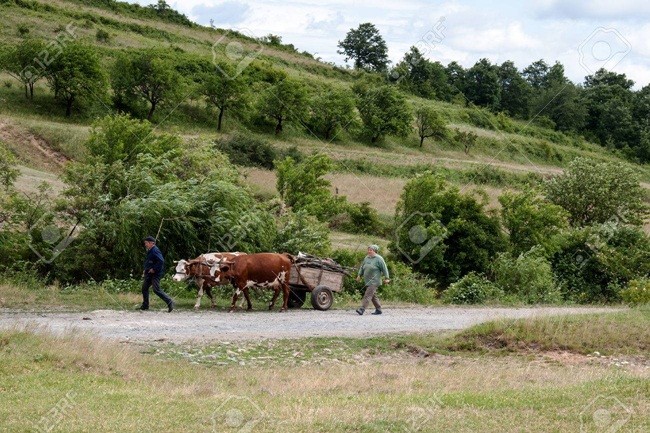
(243, 271)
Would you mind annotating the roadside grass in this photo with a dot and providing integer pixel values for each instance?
(76, 383)
(625, 333)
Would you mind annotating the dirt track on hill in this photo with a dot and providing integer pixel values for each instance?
(202, 326)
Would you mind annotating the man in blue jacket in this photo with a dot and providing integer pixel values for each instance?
(154, 265)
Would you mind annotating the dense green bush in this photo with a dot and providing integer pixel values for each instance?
(528, 277)
(593, 263)
(408, 286)
(442, 232)
(530, 220)
(596, 192)
(247, 150)
(473, 288)
(301, 232)
(637, 292)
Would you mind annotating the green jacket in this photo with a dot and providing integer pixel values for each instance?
(372, 268)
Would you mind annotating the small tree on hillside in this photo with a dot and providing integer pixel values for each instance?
(284, 101)
(147, 76)
(332, 110)
(20, 63)
(384, 111)
(222, 92)
(429, 124)
(76, 74)
(466, 138)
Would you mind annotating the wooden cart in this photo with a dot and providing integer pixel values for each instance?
(320, 280)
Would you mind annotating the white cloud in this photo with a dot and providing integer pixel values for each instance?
(508, 30)
(596, 9)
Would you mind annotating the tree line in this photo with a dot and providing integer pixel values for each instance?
(604, 108)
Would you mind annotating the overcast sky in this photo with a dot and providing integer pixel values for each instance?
(582, 35)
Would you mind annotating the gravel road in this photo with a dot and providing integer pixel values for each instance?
(202, 326)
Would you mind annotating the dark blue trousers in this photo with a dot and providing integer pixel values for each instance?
(149, 281)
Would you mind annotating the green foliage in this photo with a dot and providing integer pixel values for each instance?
(224, 89)
(482, 85)
(408, 286)
(637, 292)
(358, 218)
(119, 201)
(384, 111)
(301, 232)
(515, 91)
(302, 185)
(528, 277)
(530, 220)
(18, 62)
(473, 288)
(420, 76)
(76, 75)
(442, 232)
(102, 36)
(596, 192)
(8, 172)
(332, 110)
(366, 47)
(23, 30)
(591, 264)
(247, 150)
(121, 139)
(429, 123)
(284, 101)
(467, 139)
(146, 77)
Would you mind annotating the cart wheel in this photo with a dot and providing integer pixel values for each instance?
(296, 298)
(322, 298)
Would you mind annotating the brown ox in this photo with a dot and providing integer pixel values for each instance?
(199, 270)
(256, 270)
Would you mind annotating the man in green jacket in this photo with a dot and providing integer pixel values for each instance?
(372, 269)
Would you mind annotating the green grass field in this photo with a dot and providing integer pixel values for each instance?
(75, 383)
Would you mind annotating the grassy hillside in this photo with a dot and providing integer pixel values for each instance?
(508, 154)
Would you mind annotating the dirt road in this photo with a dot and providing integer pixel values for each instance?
(183, 326)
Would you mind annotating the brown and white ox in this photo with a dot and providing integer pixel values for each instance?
(198, 269)
(256, 270)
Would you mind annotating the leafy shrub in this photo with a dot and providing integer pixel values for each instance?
(301, 232)
(592, 264)
(596, 192)
(529, 277)
(102, 36)
(473, 288)
(530, 220)
(247, 150)
(481, 118)
(359, 218)
(445, 234)
(23, 29)
(637, 292)
(408, 286)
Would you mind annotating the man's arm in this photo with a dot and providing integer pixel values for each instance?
(158, 262)
(384, 269)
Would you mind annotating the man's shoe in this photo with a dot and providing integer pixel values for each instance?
(142, 308)
(170, 307)
(376, 313)
(360, 311)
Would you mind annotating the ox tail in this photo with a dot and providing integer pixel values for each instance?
(291, 257)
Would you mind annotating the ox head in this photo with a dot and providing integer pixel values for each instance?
(220, 270)
(181, 271)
